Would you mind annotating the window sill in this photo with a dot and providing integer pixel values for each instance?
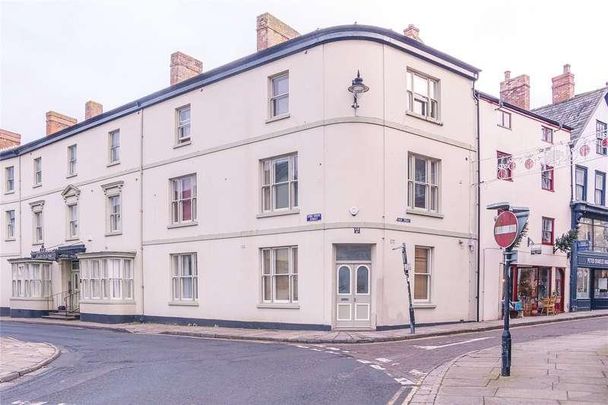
(293, 211)
(278, 306)
(549, 189)
(183, 303)
(501, 126)
(72, 239)
(37, 185)
(181, 145)
(113, 164)
(37, 243)
(277, 118)
(422, 117)
(426, 305)
(9, 192)
(106, 301)
(30, 298)
(411, 211)
(113, 233)
(172, 226)
(10, 239)
(69, 176)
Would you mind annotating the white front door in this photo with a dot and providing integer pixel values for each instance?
(353, 292)
(74, 286)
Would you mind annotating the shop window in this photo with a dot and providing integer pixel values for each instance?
(601, 284)
(582, 283)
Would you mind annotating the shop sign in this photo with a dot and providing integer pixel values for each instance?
(536, 249)
(592, 261)
(582, 245)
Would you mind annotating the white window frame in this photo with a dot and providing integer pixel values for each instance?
(601, 133)
(176, 205)
(428, 274)
(431, 102)
(178, 277)
(114, 148)
(10, 216)
(580, 186)
(600, 189)
(72, 226)
(72, 160)
(9, 185)
(274, 98)
(31, 279)
(113, 191)
(37, 222)
(268, 272)
(38, 171)
(108, 278)
(269, 185)
(430, 187)
(183, 128)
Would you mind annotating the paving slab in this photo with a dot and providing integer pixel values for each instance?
(18, 358)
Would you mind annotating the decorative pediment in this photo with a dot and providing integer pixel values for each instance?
(113, 188)
(70, 194)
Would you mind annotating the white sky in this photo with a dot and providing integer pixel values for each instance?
(56, 55)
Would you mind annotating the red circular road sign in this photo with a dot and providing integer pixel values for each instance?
(505, 229)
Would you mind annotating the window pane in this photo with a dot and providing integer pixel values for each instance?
(281, 105)
(421, 263)
(187, 288)
(282, 288)
(295, 288)
(420, 170)
(420, 85)
(186, 265)
(266, 198)
(281, 171)
(353, 252)
(344, 280)
(362, 280)
(282, 261)
(281, 197)
(420, 197)
(280, 85)
(294, 251)
(267, 288)
(266, 261)
(420, 287)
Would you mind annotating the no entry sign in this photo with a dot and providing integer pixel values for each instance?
(505, 229)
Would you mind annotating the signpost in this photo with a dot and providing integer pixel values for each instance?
(406, 270)
(507, 230)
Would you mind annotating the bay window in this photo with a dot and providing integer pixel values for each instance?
(31, 279)
(280, 274)
(106, 277)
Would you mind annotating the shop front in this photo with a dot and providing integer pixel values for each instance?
(537, 288)
(589, 259)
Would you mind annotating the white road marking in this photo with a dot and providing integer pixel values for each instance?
(332, 348)
(302, 347)
(383, 360)
(395, 397)
(404, 381)
(417, 373)
(453, 344)
(377, 367)
(363, 361)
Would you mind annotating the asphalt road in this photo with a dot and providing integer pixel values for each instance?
(105, 367)
(99, 366)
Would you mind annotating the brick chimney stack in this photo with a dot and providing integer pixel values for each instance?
(55, 122)
(272, 31)
(9, 139)
(563, 86)
(184, 67)
(92, 109)
(412, 32)
(516, 90)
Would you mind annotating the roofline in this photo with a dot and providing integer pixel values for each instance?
(605, 89)
(522, 111)
(303, 42)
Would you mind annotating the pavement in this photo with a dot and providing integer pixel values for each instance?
(18, 358)
(315, 337)
(570, 369)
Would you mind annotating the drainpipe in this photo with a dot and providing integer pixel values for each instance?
(573, 223)
(141, 208)
(478, 186)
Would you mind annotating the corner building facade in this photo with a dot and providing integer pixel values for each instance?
(255, 195)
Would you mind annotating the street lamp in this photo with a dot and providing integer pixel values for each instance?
(357, 87)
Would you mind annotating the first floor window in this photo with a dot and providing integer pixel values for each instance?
(423, 183)
(38, 224)
(108, 278)
(10, 224)
(547, 134)
(37, 171)
(183, 199)
(9, 172)
(600, 188)
(114, 213)
(547, 177)
(601, 131)
(279, 95)
(280, 183)
(72, 221)
(280, 274)
(31, 280)
(72, 159)
(422, 274)
(504, 168)
(423, 95)
(114, 144)
(504, 119)
(547, 236)
(580, 183)
(184, 277)
(582, 283)
(183, 124)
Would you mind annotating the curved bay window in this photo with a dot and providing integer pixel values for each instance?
(31, 279)
(106, 276)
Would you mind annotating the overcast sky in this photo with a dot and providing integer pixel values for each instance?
(56, 55)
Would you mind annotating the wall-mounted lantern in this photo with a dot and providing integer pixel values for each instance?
(357, 88)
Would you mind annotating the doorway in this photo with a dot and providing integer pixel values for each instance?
(74, 286)
(353, 274)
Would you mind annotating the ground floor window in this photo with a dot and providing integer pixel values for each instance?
(31, 280)
(106, 278)
(184, 277)
(422, 274)
(582, 283)
(600, 284)
(280, 274)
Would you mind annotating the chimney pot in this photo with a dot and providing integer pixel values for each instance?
(562, 85)
(92, 109)
(184, 67)
(271, 31)
(9, 139)
(412, 32)
(516, 90)
(55, 122)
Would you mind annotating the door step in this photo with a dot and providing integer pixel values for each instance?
(63, 315)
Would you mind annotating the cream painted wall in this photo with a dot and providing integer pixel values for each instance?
(525, 191)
